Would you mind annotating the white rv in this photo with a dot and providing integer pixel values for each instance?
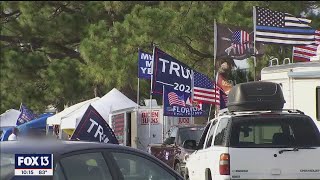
(300, 84)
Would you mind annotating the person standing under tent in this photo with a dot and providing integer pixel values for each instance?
(14, 135)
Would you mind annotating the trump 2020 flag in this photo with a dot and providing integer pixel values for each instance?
(168, 71)
(93, 127)
(179, 104)
(236, 42)
(25, 116)
(145, 65)
(282, 28)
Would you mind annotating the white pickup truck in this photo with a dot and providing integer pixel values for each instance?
(263, 144)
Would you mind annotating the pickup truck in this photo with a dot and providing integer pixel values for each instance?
(173, 151)
(256, 144)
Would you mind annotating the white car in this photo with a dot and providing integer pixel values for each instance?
(281, 144)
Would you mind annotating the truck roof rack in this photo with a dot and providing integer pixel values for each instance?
(227, 112)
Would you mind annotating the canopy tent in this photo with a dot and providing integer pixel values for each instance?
(9, 118)
(112, 101)
(37, 124)
(56, 119)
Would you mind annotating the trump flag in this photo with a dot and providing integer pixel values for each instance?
(93, 127)
(179, 104)
(25, 116)
(168, 71)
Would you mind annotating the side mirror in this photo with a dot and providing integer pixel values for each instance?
(190, 144)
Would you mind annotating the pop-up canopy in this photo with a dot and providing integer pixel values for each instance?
(9, 118)
(56, 119)
(112, 101)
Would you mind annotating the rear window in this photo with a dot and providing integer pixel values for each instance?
(274, 131)
(190, 133)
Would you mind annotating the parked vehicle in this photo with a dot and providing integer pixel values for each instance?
(87, 160)
(256, 139)
(175, 150)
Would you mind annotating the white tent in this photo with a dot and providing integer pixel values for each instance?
(56, 119)
(112, 101)
(9, 118)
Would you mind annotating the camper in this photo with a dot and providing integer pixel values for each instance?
(300, 84)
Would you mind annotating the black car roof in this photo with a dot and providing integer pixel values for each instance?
(60, 147)
(56, 147)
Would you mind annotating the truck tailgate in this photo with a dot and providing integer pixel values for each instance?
(268, 163)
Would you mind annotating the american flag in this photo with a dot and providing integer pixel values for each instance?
(204, 90)
(304, 53)
(174, 99)
(240, 41)
(282, 28)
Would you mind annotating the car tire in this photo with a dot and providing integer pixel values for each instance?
(177, 168)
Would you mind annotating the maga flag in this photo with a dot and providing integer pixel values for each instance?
(93, 127)
(145, 65)
(236, 42)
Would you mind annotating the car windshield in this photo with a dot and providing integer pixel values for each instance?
(274, 131)
(190, 133)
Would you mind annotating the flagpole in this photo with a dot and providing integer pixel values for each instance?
(163, 121)
(151, 85)
(138, 91)
(254, 42)
(217, 107)
(192, 85)
(209, 112)
(292, 54)
(215, 43)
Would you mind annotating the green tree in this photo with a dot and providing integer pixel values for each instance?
(63, 52)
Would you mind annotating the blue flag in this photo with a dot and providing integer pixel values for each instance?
(169, 71)
(25, 116)
(145, 65)
(93, 127)
(179, 104)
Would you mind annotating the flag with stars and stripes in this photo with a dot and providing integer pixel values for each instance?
(282, 28)
(174, 99)
(304, 53)
(205, 90)
(240, 40)
(235, 42)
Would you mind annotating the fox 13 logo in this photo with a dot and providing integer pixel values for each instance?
(33, 165)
